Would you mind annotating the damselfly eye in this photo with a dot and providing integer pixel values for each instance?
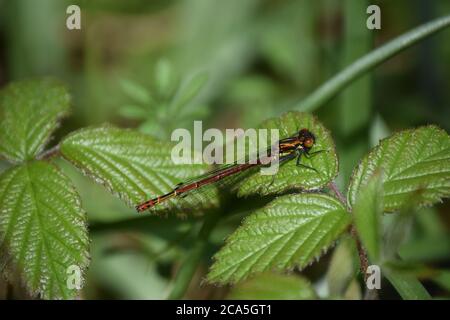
(308, 143)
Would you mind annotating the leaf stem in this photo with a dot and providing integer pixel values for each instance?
(362, 253)
(368, 62)
(50, 153)
(338, 194)
(363, 260)
(193, 258)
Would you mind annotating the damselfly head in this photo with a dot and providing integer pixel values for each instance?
(306, 138)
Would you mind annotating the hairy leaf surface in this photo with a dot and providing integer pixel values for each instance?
(43, 229)
(289, 175)
(29, 113)
(134, 167)
(415, 165)
(289, 232)
(367, 212)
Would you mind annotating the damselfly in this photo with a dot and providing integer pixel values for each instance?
(289, 148)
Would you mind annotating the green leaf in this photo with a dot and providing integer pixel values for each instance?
(443, 279)
(272, 286)
(29, 112)
(136, 91)
(289, 232)
(367, 211)
(290, 176)
(153, 128)
(415, 164)
(189, 91)
(164, 77)
(378, 130)
(397, 230)
(342, 268)
(426, 249)
(407, 285)
(353, 291)
(133, 166)
(43, 228)
(369, 61)
(357, 42)
(134, 112)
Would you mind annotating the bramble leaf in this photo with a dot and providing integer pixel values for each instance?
(289, 232)
(133, 112)
(43, 228)
(367, 211)
(135, 91)
(273, 286)
(416, 167)
(188, 91)
(164, 77)
(133, 166)
(29, 112)
(408, 286)
(290, 176)
(342, 267)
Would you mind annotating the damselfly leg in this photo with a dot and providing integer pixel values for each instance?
(308, 155)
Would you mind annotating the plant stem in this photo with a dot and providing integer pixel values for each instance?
(193, 258)
(368, 62)
(362, 253)
(338, 194)
(48, 154)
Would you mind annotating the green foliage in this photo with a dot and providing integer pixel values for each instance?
(29, 113)
(132, 165)
(136, 92)
(43, 227)
(187, 92)
(164, 77)
(368, 62)
(342, 268)
(171, 104)
(407, 286)
(288, 35)
(367, 212)
(415, 166)
(290, 176)
(358, 41)
(443, 279)
(293, 230)
(273, 286)
(290, 232)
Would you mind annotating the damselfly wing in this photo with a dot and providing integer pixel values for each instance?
(289, 148)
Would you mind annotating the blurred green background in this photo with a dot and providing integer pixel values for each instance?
(158, 65)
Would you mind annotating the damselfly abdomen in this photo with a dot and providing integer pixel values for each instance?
(289, 148)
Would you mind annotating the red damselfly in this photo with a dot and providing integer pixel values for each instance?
(289, 148)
